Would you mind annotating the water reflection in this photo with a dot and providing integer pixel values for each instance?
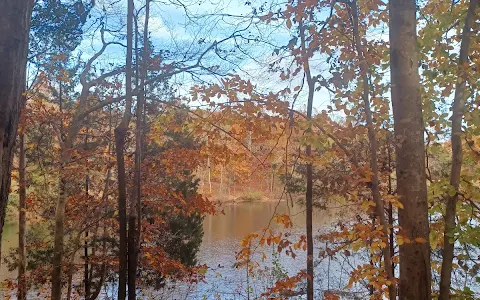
(222, 236)
(9, 242)
(242, 219)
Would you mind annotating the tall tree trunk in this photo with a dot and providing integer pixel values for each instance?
(390, 206)
(415, 276)
(272, 181)
(120, 136)
(59, 231)
(375, 184)
(15, 18)
(135, 201)
(86, 279)
(308, 154)
(221, 181)
(457, 153)
(209, 167)
(22, 218)
(58, 246)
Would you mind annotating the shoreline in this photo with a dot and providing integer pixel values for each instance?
(241, 199)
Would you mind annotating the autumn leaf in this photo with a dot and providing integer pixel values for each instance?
(289, 23)
(420, 240)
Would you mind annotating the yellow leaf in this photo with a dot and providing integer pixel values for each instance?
(367, 204)
(350, 283)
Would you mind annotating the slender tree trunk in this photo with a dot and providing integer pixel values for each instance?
(273, 181)
(390, 206)
(308, 154)
(375, 184)
(15, 18)
(135, 202)
(309, 209)
(58, 246)
(234, 186)
(209, 167)
(457, 153)
(22, 218)
(221, 181)
(230, 182)
(120, 136)
(59, 232)
(415, 276)
(86, 279)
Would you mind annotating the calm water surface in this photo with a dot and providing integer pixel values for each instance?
(221, 241)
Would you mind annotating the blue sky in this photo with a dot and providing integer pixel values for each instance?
(179, 28)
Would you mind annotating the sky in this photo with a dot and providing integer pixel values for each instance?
(179, 28)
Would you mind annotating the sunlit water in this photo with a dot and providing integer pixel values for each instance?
(221, 242)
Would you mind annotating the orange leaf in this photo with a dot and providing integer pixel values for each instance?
(420, 240)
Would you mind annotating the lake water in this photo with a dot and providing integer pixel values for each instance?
(221, 241)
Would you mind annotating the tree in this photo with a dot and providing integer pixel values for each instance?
(415, 276)
(14, 29)
(22, 218)
(120, 136)
(134, 218)
(57, 28)
(181, 226)
(372, 138)
(308, 153)
(459, 103)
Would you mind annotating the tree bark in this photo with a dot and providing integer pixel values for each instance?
(415, 276)
(374, 184)
(209, 167)
(120, 135)
(22, 219)
(86, 279)
(457, 153)
(15, 18)
(135, 202)
(390, 206)
(59, 232)
(308, 154)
